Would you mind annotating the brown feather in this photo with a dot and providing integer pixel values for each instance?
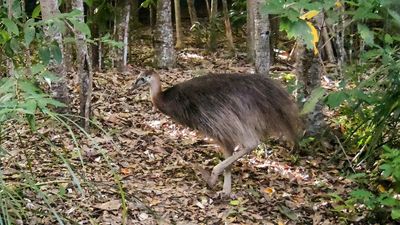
(230, 108)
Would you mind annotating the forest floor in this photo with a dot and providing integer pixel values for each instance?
(155, 159)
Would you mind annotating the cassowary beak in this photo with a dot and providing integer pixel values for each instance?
(138, 83)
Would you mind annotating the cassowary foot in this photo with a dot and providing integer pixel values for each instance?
(225, 196)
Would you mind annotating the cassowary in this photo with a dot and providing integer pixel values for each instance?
(238, 111)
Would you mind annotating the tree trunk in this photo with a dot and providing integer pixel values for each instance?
(84, 70)
(152, 16)
(228, 29)
(9, 62)
(308, 71)
(49, 9)
(178, 24)
(208, 8)
(135, 14)
(261, 39)
(340, 33)
(250, 31)
(69, 48)
(95, 48)
(212, 42)
(325, 39)
(192, 12)
(122, 32)
(273, 40)
(163, 36)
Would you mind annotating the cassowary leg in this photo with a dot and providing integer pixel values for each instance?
(218, 169)
(227, 188)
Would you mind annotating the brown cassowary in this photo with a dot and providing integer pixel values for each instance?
(238, 111)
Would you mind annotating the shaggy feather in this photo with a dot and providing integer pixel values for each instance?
(232, 108)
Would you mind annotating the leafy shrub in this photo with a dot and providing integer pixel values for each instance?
(379, 200)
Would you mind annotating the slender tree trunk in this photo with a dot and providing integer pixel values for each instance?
(9, 62)
(59, 89)
(84, 70)
(274, 22)
(178, 24)
(261, 39)
(325, 37)
(212, 42)
(134, 14)
(163, 37)
(27, 52)
(340, 33)
(208, 8)
(251, 6)
(192, 12)
(153, 15)
(95, 48)
(69, 48)
(122, 33)
(228, 29)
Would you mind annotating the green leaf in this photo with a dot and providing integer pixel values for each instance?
(7, 98)
(7, 86)
(388, 39)
(14, 44)
(366, 34)
(29, 106)
(395, 214)
(89, 2)
(81, 27)
(29, 34)
(31, 121)
(48, 101)
(50, 77)
(362, 194)
(36, 12)
(37, 68)
(11, 26)
(389, 201)
(16, 9)
(357, 176)
(44, 54)
(315, 96)
(8, 49)
(387, 170)
(27, 87)
(4, 36)
(56, 52)
(288, 212)
(300, 31)
(335, 99)
(234, 202)
(395, 15)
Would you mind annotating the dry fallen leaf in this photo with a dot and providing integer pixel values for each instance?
(110, 205)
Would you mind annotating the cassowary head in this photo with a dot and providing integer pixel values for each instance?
(144, 78)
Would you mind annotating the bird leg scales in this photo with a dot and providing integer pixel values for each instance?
(227, 181)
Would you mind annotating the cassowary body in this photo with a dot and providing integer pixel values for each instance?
(233, 109)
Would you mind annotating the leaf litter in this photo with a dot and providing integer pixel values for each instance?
(155, 160)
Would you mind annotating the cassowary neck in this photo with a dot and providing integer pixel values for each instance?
(155, 88)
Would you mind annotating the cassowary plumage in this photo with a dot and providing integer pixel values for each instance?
(233, 109)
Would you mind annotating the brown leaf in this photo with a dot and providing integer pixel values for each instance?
(110, 205)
